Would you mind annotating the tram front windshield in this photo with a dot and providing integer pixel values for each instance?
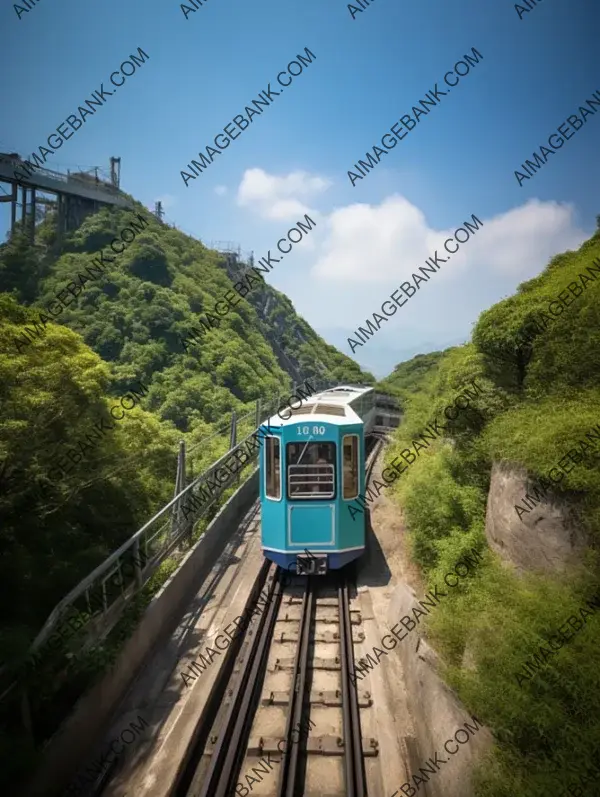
(310, 471)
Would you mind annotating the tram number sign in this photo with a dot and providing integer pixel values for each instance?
(316, 430)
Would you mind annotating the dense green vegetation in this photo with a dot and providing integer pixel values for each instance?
(541, 392)
(409, 378)
(127, 326)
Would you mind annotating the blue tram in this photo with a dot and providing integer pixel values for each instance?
(311, 467)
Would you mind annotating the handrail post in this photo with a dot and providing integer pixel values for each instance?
(233, 437)
(139, 579)
(179, 486)
(233, 432)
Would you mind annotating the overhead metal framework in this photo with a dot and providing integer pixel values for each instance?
(77, 195)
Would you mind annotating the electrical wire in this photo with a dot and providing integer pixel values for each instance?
(171, 223)
(135, 457)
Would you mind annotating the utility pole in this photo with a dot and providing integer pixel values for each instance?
(158, 210)
(115, 171)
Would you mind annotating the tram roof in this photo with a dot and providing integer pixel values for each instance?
(330, 406)
(349, 417)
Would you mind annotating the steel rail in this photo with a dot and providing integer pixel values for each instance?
(189, 763)
(228, 753)
(353, 758)
(245, 717)
(288, 775)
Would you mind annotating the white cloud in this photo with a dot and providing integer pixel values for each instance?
(387, 242)
(359, 253)
(279, 198)
(221, 190)
(532, 233)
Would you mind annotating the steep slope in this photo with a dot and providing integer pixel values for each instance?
(140, 311)
(113, 307)
(299, 350)
(535, 359)
(413, 377)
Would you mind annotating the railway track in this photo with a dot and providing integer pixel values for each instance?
(285, 718)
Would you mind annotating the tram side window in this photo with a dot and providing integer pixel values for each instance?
(350, 448)
(358, 407)
(273, 468)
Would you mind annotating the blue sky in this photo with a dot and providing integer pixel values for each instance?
(368, 72)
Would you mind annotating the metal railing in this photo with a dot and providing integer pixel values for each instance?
(93, 607)
(310, 481)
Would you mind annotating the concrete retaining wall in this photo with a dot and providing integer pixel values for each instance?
(436, 711)
(84, 729)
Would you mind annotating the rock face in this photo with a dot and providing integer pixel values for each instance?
(276, 317)
(547, 537)
(436, 712)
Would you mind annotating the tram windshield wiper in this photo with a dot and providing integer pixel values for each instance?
(303, 450)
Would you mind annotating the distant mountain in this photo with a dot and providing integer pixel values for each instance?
(380, 358)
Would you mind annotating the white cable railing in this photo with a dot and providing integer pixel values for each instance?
(92, 608)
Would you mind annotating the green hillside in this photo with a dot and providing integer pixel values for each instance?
(537, 362)
(83, 326)
(123, 322)
(410, 377)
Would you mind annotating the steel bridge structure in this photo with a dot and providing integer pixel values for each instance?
(76, 195)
